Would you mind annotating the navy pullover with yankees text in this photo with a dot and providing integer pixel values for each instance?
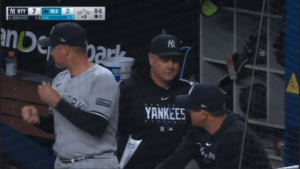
(149, 112)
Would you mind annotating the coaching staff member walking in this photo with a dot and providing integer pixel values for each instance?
(214, 139)
(83, 100)
(147, 105)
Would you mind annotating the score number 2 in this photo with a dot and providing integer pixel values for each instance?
(67, 11)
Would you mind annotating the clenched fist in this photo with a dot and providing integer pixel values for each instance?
(30, 115)
(48, 94)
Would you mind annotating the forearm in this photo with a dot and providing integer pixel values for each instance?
(181, 157)
(46, 123)
(88, 122)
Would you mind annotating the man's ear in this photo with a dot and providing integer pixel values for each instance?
(150, 58)
(66, 50)
(204, 113)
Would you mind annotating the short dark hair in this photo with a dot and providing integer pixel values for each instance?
(217, 114)
(81, 50)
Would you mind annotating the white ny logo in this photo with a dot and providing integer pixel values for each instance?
(262, 53)
(171, 43)
(12, 11)
(162, 128)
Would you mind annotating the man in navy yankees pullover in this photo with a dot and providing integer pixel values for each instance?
(147, 105)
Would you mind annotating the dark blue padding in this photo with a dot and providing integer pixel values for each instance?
(291, 153)
(24, 150)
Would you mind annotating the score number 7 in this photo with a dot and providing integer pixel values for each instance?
(34, 10)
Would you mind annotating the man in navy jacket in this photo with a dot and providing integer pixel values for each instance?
(215, 137)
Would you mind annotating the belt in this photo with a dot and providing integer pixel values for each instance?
(74, 160)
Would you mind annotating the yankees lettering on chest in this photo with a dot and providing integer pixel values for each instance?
(165, 113)
(73, 100)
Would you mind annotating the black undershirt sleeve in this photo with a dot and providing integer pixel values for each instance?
(123, 122)
(46, 123)
(93, 124)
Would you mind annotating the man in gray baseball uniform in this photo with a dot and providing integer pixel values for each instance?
(83, 103)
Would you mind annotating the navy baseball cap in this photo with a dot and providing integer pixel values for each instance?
(166, 45)
(203, 96)
(68, 33)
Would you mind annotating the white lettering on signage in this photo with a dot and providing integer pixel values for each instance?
(11, 39)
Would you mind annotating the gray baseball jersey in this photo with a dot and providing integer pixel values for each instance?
(94, 91)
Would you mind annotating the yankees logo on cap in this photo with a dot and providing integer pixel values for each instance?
(171, 43)
(166, 45)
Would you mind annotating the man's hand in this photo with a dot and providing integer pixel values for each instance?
(48, 94)
(30, 115)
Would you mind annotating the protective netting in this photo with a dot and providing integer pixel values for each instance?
(262, 37)
(273, 84)
(131, 24)
(266, 110)
(129, 27)
(266, 44)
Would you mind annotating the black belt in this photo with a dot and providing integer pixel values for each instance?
(74, 160)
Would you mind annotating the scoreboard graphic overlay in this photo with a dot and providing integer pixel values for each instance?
(55, 13)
